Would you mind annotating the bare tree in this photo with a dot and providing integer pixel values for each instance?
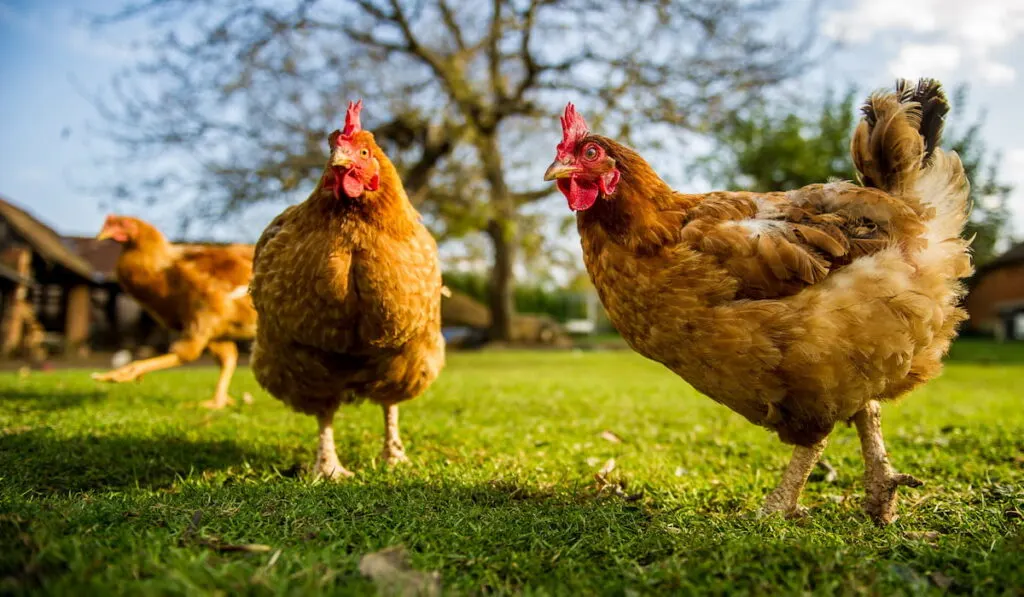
(459, 92)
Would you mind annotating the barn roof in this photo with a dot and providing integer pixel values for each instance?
(12, 274)
(101, 254)
(1013, 256)
(44, 241)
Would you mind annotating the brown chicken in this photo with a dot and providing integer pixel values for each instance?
(347, 285)
(199, 291)
(797, 310)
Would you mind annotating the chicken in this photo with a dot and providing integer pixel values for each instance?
(797, 310)
(347, 285)
(199, 291)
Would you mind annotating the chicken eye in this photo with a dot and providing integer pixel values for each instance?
(590, 153)
(364, 152)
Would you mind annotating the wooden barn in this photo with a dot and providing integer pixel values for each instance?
(124, 324)
(47, 290)
(996, 298)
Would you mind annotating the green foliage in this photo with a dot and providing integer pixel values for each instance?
(764, 150)
(100, 485)
(779, 148)
(560, 303)
(989, 194)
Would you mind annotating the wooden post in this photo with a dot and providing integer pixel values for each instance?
(76, 322)
(113, 321)
(13, 323)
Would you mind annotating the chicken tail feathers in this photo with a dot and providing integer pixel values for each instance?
(898, 135)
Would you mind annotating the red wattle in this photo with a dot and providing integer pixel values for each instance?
(581, 194)
(351, 184)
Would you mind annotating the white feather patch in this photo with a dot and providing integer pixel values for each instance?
(238, 292)
(757, 227)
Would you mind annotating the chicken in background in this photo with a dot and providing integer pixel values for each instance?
(799, 309)
(199, 291)
(347, 285)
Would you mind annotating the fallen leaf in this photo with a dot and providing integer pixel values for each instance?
(216, 545)
(389, 569)
(828, 473)
(192, 527)
(926, 536)
(941, 580)
(610, 436)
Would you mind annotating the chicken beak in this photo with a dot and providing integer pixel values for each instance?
(104, 234)
(558, 170)
(340, 160)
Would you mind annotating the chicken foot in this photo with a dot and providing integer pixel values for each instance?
(394, 451)
(880, 480)
(327, 463)
(785, 497)
(226, 354)
(137, 369)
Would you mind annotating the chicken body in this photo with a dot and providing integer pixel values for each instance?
(348, 291)
(797, 310)
(198, 291)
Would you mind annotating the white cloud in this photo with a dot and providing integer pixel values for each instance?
(935, 60)
(961, 33)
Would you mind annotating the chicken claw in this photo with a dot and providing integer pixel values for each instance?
(120, 375)
(784, 499)
(136, 369)
(394, 451)
(880, 480)
(327, 464)
(332, 471)
(393, 455)
(218, 402)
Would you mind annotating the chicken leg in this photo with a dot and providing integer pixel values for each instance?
(394, 451)
(226, 353)
(785, 497)
(327, 463)
(880, 480)
(137, 369)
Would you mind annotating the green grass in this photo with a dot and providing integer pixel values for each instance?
(99, 485)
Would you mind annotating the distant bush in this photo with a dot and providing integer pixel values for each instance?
(561, 304)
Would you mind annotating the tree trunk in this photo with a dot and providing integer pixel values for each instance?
(502, 284)
(76, 320)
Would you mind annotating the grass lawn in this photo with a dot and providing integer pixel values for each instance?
(134, 490)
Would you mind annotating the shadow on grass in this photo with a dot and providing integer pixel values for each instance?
(36, 460)
(48, 401)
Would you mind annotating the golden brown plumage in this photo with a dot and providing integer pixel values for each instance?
(348, 291)
(797, 310)
(199, 291)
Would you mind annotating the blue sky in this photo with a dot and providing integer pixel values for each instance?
(51, 62)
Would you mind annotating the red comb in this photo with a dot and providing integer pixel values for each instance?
(352, 125)
(574, 129)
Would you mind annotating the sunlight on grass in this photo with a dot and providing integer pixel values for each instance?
(100, 483)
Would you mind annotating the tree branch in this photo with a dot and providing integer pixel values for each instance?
(527, 197)
(448, 17)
